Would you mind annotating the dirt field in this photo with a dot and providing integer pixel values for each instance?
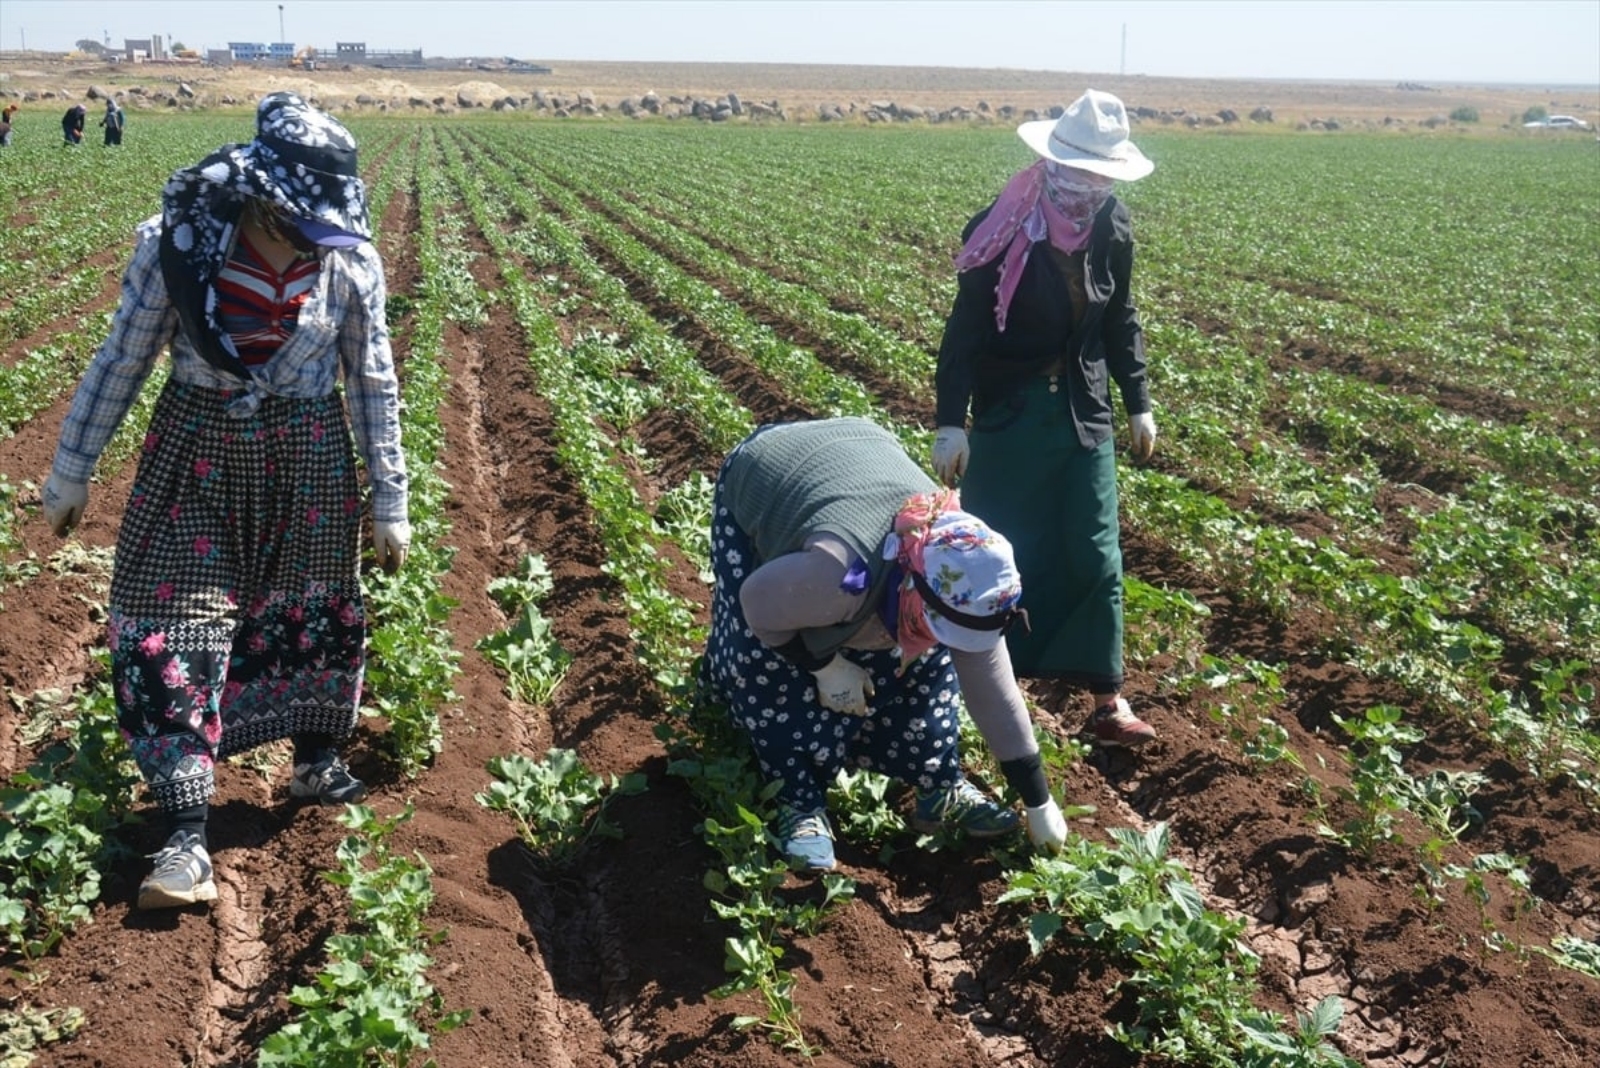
(612, 965)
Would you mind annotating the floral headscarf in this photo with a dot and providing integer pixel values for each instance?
(958, 586)
(303, 161)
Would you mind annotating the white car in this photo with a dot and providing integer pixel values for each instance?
(1557, 122)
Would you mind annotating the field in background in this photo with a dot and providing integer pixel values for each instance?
(802, 88)
(1364, 603)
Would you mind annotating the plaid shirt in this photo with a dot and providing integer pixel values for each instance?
(341, 326)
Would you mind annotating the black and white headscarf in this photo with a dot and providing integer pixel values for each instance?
(302, 161)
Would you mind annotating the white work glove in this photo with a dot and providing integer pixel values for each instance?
(1142, 429)
(1047, 827)
(64, 503)
(950, 453)
(391, 542)
(843, 686)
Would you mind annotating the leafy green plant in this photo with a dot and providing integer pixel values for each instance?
(1305, 1046)
(1192, 975)
(24, 1031)
(1573, 952)
(57, 817)
(527, 651)
(369, 1004)
(1379, 786)
(558, 804)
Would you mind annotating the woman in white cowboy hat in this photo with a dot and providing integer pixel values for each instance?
(856, 606)
(236, 614)
(1043, 324)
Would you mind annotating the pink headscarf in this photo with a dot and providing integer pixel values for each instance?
(975, 572)
(912, 525)
(1043, 200)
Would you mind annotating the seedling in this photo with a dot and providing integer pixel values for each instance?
(558, 804)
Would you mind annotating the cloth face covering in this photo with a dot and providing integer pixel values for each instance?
(1043, 201)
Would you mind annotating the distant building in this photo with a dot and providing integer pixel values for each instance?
(143, 49)
(354, 52)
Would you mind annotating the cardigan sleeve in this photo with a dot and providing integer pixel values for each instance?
(969, 324)
(1121, 332)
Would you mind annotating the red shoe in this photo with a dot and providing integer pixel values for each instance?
(1114, 724)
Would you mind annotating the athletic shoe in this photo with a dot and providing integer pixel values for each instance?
(807, 838)
(328, 781)
(182, 874)
(1114, 724)
(964, 807)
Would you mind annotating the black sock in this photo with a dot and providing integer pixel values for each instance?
(191, 820)
(313, 747)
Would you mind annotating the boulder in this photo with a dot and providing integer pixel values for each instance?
(478, 94)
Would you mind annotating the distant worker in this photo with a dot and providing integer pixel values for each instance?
(112, 121)
(72, 124)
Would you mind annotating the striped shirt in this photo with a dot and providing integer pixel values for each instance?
(258, 306)
(340, 329)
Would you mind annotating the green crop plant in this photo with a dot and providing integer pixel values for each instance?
(370, 1003)
(56, 821)
(1379, 786)
(1192, 976)
(1169, 624)
(527, 651)
(1570, 951)
(1306, 1045)
(558, 804)
(25, 1031)
(1238, 690)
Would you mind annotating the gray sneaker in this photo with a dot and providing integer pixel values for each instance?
(182, 875)
(328, 781)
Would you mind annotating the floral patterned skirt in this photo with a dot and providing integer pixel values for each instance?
(236, 615)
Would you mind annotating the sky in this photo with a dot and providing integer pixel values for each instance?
(1532, 42)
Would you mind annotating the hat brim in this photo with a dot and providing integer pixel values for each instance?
(956, 636)
(1127, 164)
(269, 179)
(320, 233)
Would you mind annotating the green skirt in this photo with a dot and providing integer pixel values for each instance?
(1056, 502)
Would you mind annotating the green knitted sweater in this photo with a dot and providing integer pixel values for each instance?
(846, 477)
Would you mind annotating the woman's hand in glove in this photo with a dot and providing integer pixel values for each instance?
(1047, 827)
(1142, 430)
(391, 542)
(64, 503)
(843, 686)
(950, 453)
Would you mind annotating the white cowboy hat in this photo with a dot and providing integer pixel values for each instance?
(1091, 135)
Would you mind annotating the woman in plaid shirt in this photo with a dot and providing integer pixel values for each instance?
(236, 614)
